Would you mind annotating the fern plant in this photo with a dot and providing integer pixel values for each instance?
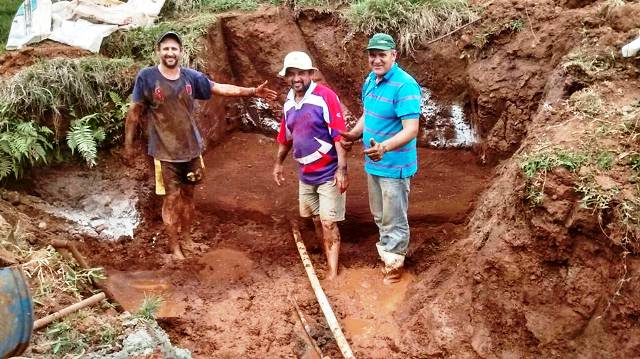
(22, 143)
(85, 137)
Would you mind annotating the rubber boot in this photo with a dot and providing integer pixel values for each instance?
(393, 265)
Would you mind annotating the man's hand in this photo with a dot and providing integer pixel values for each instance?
(265, 92)
(347, 139)
(341, 179)
(128, 155)
(278, 172)
(376, 151)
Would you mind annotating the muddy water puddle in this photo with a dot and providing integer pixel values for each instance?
(220, 267)
(131, 288)
(371, 303)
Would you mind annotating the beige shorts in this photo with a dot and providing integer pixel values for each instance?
(324, 200)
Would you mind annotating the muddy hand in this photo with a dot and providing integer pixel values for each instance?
(347, 140)
(278, 174)
(265, 92)
(128, 156)
(376, 151)
(341, 179)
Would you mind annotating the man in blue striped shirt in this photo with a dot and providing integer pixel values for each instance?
(388, 127)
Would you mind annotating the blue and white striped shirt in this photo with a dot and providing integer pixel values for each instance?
(386, 104)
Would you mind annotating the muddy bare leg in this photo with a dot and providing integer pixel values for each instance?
(317, 223)
(171, 218)
(331, 239)
(187, 213)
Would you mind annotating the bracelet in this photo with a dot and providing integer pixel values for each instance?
(254, 90)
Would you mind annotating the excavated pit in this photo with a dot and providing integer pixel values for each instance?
(482, 281)
(230, 297)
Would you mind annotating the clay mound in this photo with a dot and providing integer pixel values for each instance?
(13, 61)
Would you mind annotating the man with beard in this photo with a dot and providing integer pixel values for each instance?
(389, 126)
(311, 124)
(165, 94)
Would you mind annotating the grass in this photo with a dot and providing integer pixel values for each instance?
(58, 87)
(604, 166)
(588, 63)
(536, 166)
(139, 44)
(587, 102)
(50, 273)
(411, 21)
(86, 329)
(492, 30)
(8, 9)
(149, 307)
(594, 196)
(180, 6)
(38, 104)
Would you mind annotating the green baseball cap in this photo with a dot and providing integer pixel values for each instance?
(381, 41)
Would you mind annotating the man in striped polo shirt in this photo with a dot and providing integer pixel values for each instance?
(311, 124)
(389, 126)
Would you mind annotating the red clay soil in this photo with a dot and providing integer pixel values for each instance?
(229, 298)
(509, 283)
(12, 61)
(489, 276)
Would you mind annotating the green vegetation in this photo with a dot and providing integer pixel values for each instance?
(149, 307)
(490, 31)
(587, 64)
(605, 169)
(587, 102)
(37, 104)
(176, 6)
(536, 166)
(55, 275)
(138, 44)
(594, 195)
(22, 143)
(8, 9)
(82, 330)
(412, 21)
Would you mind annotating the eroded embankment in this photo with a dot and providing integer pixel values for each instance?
(509, 289)
(494, 277)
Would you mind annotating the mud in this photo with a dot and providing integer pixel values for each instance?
(229, 298)
(488, 275)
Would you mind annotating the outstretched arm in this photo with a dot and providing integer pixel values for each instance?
(238, 91)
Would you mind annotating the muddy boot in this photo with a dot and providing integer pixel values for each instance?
(393, 275)
(393, 264)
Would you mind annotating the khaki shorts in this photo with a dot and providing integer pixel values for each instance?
(170, 176)
(324, 200)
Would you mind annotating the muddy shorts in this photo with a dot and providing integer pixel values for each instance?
(324, 200)
(170, 176)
